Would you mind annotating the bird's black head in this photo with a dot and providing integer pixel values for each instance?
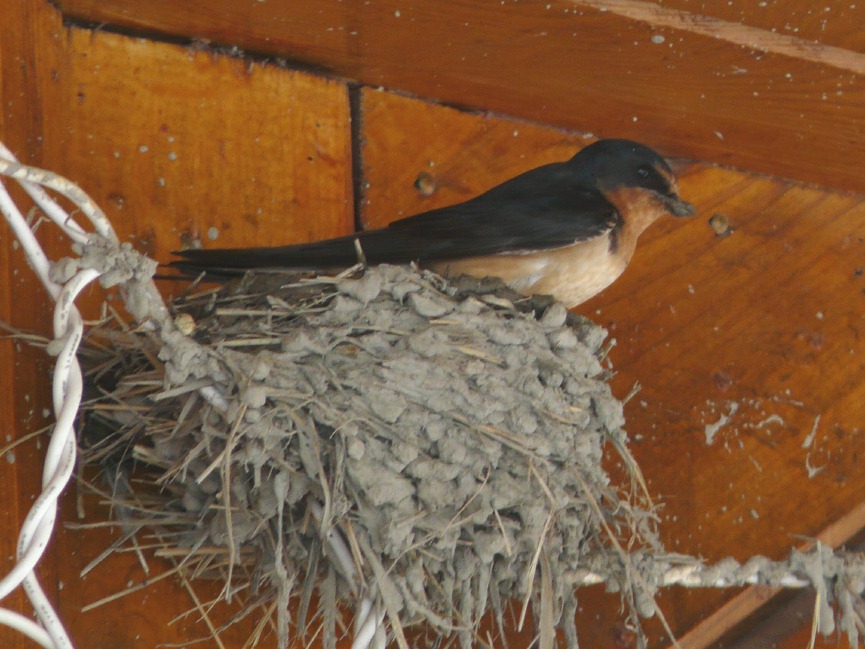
(616, 164)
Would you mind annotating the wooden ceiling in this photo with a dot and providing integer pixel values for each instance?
(775, 87)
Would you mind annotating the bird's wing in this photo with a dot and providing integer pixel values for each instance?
(547, 207)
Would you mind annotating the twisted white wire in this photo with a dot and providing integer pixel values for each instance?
(32, 179)
(67, 388)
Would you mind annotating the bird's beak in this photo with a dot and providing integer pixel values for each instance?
(677, 206)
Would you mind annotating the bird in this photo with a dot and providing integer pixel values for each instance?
(566, 229)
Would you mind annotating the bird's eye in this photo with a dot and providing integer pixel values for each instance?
(643, 172)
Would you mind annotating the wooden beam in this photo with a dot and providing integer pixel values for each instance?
(702, 86)
(838, 24)
(786, 42)
(29, 48)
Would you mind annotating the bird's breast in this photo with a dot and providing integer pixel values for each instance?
(571, 274)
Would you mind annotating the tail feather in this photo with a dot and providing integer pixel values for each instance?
(373, 247)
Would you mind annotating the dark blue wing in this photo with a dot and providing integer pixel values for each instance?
(548, 207)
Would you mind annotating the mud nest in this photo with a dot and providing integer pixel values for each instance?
(434, 449)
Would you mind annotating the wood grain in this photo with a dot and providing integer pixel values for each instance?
(28, 32)
(769, 319)
(839, 24)
(204, 147)
(705, 93)
(781, 38)
(418, 156)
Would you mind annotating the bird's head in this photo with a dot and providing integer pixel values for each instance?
(623, 164)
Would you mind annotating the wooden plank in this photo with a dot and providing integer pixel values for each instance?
(176, 157)
(188, 159)
(784, 41)
(695, 86)
(28, 31)
(768, 319)
(839, 24)
(152, 132)
(419, 156)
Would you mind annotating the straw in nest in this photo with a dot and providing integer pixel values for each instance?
(380, 436)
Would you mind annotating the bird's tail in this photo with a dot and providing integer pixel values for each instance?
(339, 253)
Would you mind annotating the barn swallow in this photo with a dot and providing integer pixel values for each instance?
(566, 229)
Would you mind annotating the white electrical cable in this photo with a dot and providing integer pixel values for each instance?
(67, 389)
(46, 203)
(27, 627)
(31, 177)
(368, 621)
